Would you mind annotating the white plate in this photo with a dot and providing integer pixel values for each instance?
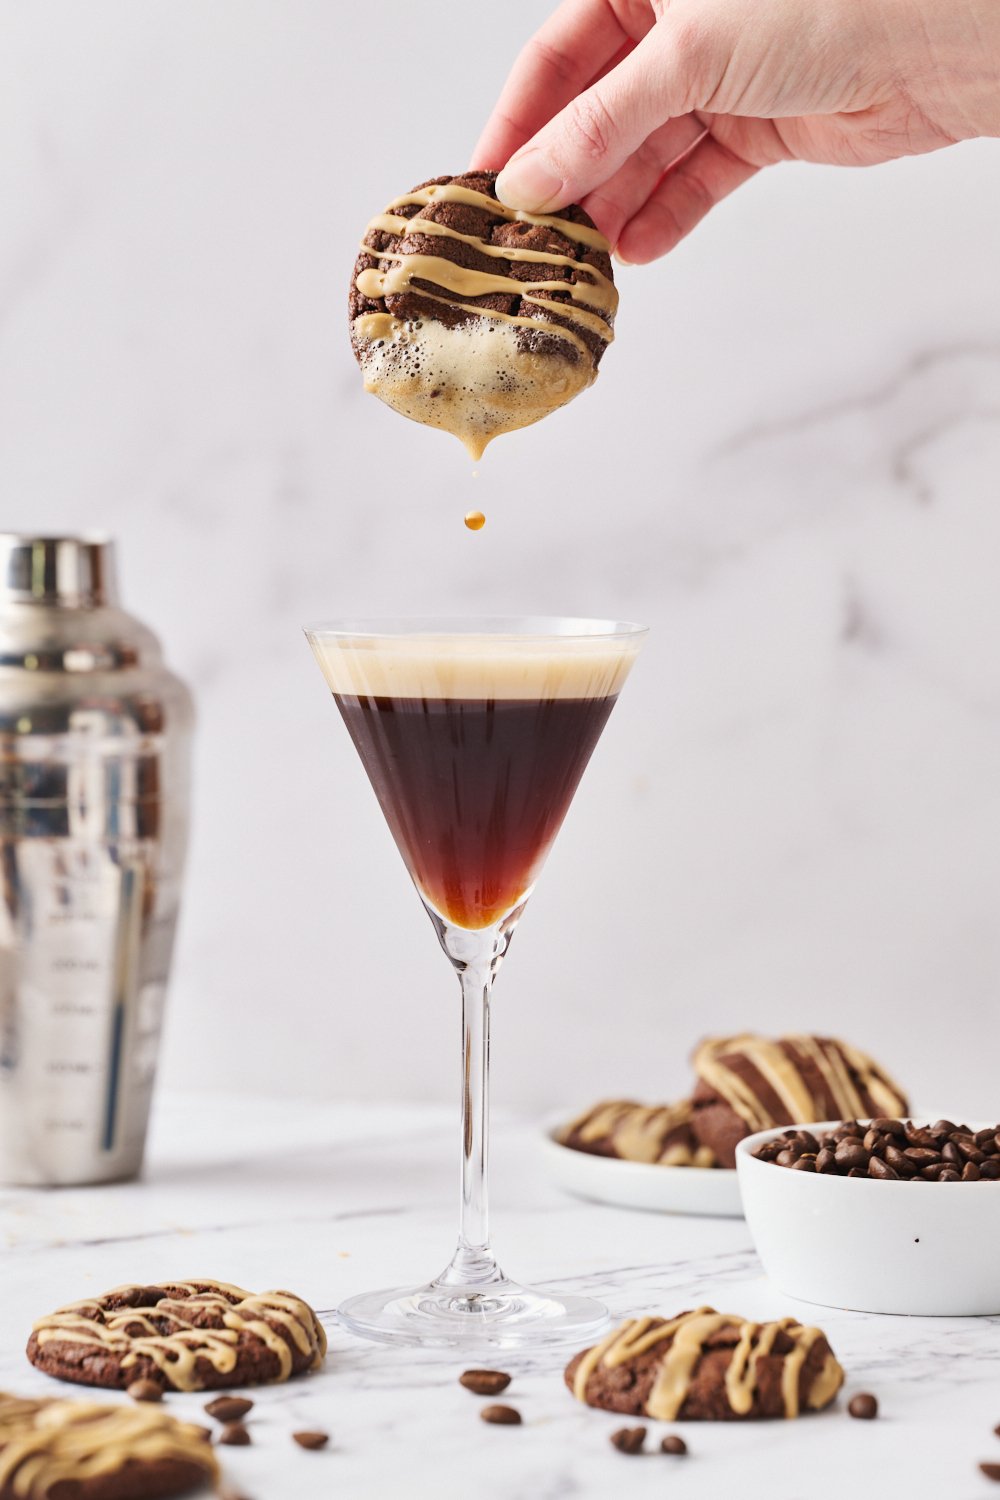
(636, 1184)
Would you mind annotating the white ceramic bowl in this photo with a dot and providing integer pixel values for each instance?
(886, 1247)
(637, 1184)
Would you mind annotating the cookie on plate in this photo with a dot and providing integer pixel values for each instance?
(477, 318)
(89, 1451)
(660, 1133)
(748, 1083)
(707, 1366)
(185, 1335)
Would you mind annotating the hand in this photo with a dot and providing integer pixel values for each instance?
(648, 112)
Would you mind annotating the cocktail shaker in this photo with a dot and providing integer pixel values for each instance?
(94, 794)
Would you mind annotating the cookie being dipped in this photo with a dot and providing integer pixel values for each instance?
(476, 318)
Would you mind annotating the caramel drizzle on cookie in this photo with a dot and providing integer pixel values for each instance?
(593, 296)
(784, 1076)
(688, 1336)
(48, 1443)
(176, 1354)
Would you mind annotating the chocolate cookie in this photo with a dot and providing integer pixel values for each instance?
(80, 1450)
(477, 318)
(637, 1132)
(705, 1366)
(185, 1335)
(749, 1083)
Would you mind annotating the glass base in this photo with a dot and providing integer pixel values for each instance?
(500, 1316)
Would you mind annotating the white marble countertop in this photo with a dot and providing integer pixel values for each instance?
(330, 1200)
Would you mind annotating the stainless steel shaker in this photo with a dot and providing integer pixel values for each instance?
(94, 794)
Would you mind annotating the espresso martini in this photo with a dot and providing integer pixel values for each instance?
(474, 735)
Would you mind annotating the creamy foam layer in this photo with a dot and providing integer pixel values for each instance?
(473, 381)
(475, 667)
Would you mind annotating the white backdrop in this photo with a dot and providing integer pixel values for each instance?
(789, 467)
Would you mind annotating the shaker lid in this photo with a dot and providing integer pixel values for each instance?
(75, 572)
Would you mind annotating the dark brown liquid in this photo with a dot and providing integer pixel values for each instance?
(474, 790)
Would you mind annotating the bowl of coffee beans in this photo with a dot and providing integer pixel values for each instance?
(886, 1215)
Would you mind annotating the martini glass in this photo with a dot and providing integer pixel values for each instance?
(474, 734)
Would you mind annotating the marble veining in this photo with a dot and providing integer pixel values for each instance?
(332, 1200)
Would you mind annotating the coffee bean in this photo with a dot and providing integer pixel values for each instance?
(807, 1141)
(863, 1406)
(857, 1172)
(501, 1416)
(881, 1169)
(969, 1149)
(144, 1390)
(629, 1439)
(992, 1471)
(484, 1382)
(990, 1169)
(787, 1158)
(673, 1444)
(806, 1164)
(950, 1152)
(970, 1172)
(944, 1127)
(897, 1159)
(228, 1408)
(948, 1174)
(933, 1172)
(826, 1161)
(234, 1435)
(984, 1137)
(921, 1156)
(873, 1141)
(996, 1431)
(851, 1153)
(311, 1439)
(889, 1127)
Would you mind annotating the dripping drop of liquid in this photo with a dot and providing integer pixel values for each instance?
(475, 520)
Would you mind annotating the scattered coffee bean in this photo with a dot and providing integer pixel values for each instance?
(311, 1439)
(992, 1471)
(228, 1408)
(891, 1151)
(484, 1382)
(673, 1444)
(144, 1390)
(503, 1416)
(863, 1406)
(629, 1439)
(234, 1435)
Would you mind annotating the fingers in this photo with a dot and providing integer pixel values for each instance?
(565, 55)
(616, 201)
(687, 192)
(595, 134)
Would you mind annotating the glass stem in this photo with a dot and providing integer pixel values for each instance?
(476, 956)
(474, 1226)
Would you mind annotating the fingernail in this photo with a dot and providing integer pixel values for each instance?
(528, 182)
(619, 257)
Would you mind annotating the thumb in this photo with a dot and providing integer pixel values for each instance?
(599, 130)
